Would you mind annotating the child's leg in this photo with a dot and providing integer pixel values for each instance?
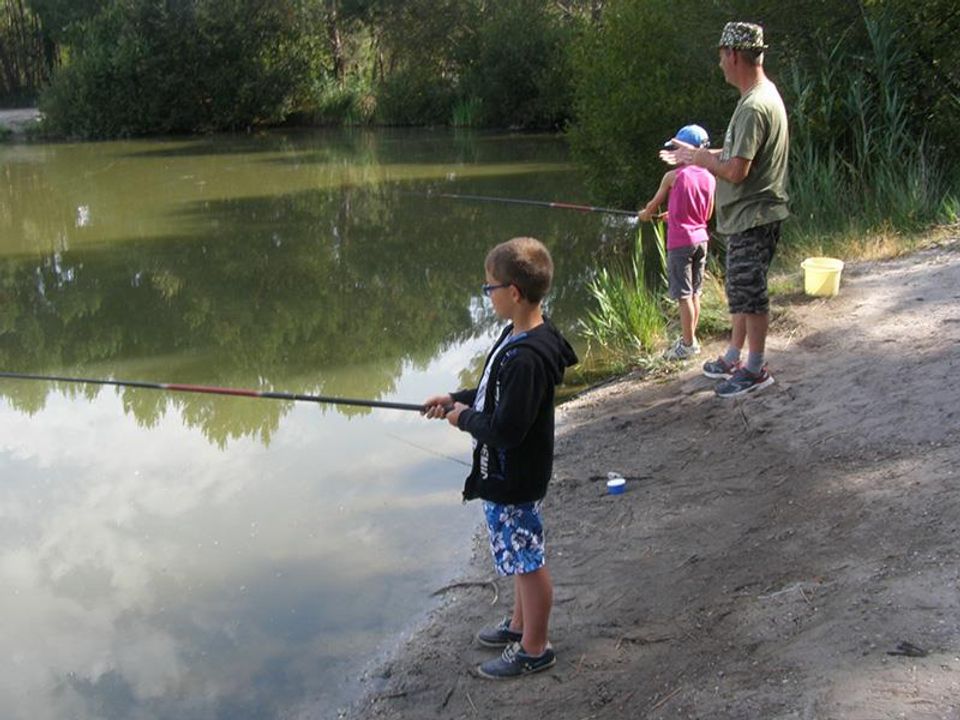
(516, 621)
(688, 312)
(534, 600)
(696, 315)
(698, 265)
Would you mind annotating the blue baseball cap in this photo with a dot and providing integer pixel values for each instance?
(692, 135)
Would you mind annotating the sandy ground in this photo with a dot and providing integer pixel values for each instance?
(770, 553)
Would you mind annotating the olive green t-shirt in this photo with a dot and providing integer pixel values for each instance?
(757, 132)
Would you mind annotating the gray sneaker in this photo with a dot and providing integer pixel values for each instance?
(514, 662)
(720, 369)
(743, 382)
(681, 351)
(499, 635)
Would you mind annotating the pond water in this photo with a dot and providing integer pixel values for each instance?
(168, 555)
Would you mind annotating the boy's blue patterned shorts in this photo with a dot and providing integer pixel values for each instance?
(516, 537)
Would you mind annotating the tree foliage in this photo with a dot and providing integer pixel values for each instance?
(650, 66)
(156, 66)
(647, 69)
(22, 51)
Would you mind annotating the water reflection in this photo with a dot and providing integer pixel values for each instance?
(148, 574)
(254, 280)
(170, 555)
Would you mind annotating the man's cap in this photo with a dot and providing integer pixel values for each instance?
(691, 135)
(742, 36)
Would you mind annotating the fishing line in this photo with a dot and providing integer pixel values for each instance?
(427, 450)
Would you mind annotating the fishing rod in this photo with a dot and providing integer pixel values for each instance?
(538, 203)
(210, 390)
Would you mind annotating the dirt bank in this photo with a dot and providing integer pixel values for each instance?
(770, 552)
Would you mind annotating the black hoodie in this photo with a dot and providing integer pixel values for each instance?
(513, 457)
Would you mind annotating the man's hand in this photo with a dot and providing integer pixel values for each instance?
(680, 154)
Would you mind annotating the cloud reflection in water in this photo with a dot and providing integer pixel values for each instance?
(149, 574)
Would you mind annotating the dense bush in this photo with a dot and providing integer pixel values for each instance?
(414, 96)
(142, 66)
(872, 92)
(647, 69)
(516, 66)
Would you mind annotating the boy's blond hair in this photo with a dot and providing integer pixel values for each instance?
(525, 263)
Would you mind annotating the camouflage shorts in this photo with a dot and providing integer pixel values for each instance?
(748, 259)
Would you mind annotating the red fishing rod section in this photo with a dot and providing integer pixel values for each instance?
(538, 203)
(212, 390)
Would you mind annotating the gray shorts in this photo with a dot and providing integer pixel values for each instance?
(748, 259)
(685, 266)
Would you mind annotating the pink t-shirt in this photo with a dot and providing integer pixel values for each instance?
(689, 206)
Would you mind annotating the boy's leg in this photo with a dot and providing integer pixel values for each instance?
(536, 601)
(516, 621)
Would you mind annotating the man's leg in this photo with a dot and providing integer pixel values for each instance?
(757, 325)
(738, 331)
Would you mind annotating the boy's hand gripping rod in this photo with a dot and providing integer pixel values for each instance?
(210, 390)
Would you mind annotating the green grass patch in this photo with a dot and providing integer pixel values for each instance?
(627, 324)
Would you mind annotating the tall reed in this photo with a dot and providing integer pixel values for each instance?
(860, 160)
(628, 322)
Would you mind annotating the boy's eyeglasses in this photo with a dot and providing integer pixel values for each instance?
(488, 289)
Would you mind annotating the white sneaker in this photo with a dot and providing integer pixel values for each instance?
(681, 351)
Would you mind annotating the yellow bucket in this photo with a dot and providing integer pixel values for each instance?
(821, 275)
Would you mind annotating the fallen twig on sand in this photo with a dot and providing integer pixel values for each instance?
(792, 588)
(665, 700)
(640, 640)
(446, 698)
(476, 583)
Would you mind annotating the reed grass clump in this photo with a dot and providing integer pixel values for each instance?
(628, 322)
(861, 163)
(467, 113)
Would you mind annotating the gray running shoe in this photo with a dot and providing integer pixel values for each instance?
(681, 351)
(499, 635)
(720, 369)
(743, 382)
(514, 662)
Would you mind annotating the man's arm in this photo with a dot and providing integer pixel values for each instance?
(734, 170)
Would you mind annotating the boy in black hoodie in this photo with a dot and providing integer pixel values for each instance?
(510, 416)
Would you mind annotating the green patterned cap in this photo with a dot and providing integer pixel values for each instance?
(742, 36)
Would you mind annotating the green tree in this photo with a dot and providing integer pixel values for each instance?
(154, 66)
(647, 69)
(515, 64)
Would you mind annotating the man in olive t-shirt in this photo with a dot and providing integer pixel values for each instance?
(751, 169)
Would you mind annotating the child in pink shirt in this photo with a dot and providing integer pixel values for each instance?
(689, 193)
